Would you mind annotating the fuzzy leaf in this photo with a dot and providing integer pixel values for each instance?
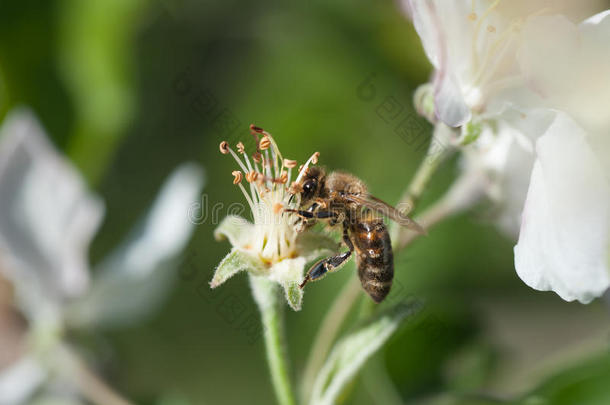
(294, 295)
(234, 228)
(352, 351)
(237, 260)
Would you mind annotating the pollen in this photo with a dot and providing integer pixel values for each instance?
(290, 163)
(224, 147)
(240, 148)
(237, 176)
(277, 208)
(265, 143)
(491, 28)
(472, 16)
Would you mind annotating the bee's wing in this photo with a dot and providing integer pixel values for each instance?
(384, 208)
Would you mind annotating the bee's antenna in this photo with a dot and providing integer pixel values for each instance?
(305, 281)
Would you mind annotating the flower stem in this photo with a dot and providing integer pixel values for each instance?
(328, 331)
(266, 296)
(440, 148)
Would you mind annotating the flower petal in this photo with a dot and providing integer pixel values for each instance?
(237, 260)
(47, 215)
(450, 105)
(313, 245)
(573, 77)
(132, 282)
(20, 380)
(236, 229)
(289, 273)
(564, 239)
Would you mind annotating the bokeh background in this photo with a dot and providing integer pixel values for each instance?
(128, 89)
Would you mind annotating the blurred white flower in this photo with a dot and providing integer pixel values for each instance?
(564, 242)
(270, 247)
(472, 46)
(47, 220)
(530, 90)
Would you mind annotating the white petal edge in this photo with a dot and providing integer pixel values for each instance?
(564, 239)
(47, 215)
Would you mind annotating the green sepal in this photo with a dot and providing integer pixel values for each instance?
(237, 260)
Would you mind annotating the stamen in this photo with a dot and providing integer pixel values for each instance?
(265, 143)
(238, 176)
(256, 129)
(290, 163)
(224, 147)
(283, 178)
(252, 177)
(303, 169)
(257, 157)
(477, 30)
(241, 148)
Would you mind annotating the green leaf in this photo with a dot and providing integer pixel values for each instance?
(294, 295)
(237, 260)
(234, 228)
(352, 351)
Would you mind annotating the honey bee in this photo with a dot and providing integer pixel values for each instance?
(343, 199)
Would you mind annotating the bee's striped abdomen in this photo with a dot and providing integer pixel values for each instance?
(374, 257)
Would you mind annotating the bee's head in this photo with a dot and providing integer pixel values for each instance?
(312, 184)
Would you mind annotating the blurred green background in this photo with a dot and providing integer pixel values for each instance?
(128, 89)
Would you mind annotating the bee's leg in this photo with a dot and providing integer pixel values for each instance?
(315, 214)
(332, 263)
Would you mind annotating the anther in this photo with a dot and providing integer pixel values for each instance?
(257, 157)
(241, 148)
(283, 178)
(265, 143)
(251, 177)
(256, 129)
(224, 147)
(314, 158)
(290, 163)
(237, 176)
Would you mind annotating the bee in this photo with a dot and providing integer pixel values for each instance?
(343, 199)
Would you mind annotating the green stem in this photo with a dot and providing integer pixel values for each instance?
(432, 161)
(328, 331)
(266, 296)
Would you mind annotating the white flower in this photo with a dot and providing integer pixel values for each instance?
(565, 235)
(472, 46)
(47, 220)
(272, 245)
(495, 59)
